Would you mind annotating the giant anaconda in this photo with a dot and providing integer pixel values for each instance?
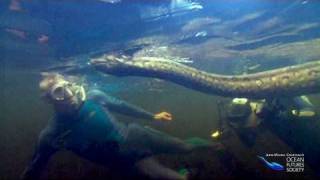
(287, 81)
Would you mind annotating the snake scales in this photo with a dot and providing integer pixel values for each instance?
(288, 81)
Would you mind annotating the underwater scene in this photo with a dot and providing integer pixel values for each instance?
(159, 89)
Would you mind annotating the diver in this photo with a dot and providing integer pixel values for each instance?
(245, 115)
(82, 124)
(295, 108)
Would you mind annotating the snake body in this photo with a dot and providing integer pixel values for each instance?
(283, 82)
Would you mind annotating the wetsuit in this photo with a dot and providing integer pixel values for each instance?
(94, 134)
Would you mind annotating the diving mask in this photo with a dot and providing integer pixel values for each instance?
(66, 90)
(239, 109)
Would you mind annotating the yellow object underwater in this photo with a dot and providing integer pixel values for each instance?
(240, 101)
(303, 113)
(216, 134)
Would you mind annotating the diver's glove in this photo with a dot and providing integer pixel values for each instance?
(163, 116)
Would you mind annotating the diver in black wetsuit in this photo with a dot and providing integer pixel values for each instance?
(83, 125)
(245, 115)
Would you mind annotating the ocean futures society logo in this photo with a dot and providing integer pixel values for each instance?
(293, 162)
